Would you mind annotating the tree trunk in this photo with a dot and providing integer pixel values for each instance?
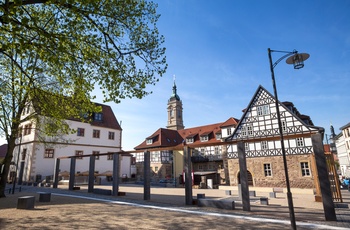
(7, 163)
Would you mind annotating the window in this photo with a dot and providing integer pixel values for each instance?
(139, 157)
(229, 131)
(166, 156)
(189, 140)
(246, 146)
(284, 126)
(300, 142)
(264, 145)
(27, 129)
(267, 169)
(110, 156)
(149, 141)
(305, 170)
(155, 156)
(96, 133)
(80, 132)
(202, 151)
(204, 138)
(156, 168)
(97, 157)
(111, 135)
(216, 150)
(97, 116)
(218, 136)
(263, 110)
(24, 153)
(244, 131)
(49, 153)
(79, 153)
(250, 130)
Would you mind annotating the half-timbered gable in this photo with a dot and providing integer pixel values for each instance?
(259, 130)
(258, 127)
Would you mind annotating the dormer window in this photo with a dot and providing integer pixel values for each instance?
(149, 141)
(204, 138)
(189, 140)
(97, 116)
(218, 136)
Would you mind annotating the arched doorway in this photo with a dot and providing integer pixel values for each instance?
(250, 178)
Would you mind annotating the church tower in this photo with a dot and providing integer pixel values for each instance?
(175, 121)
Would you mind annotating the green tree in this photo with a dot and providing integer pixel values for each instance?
(66, 48)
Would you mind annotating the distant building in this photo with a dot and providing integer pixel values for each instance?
(214, 146)
(166, 147)
(342, 142)
(36, 160)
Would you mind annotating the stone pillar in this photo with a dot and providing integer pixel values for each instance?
(56, 172)
(91, 173)
(243, 176)
(21, 171)
(321, 164)
(147, 176)
(72, 173)
(116, 176)
(225, 164)
(188, 175)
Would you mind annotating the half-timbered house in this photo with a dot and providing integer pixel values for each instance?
(258, 129)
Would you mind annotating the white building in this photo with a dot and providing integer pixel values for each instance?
(342, 142)
(37, 160)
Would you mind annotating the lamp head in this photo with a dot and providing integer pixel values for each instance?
(298, 60)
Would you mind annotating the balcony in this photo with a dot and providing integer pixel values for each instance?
(209, 158)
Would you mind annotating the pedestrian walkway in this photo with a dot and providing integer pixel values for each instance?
(309, 214)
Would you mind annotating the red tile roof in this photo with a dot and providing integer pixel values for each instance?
(108, 118)
(175, 138)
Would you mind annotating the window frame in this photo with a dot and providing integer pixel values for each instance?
(267, 169)
(49, 153)
(80, 132)
(96, 133)
(79, 154)
(305, 169)
(111, 135)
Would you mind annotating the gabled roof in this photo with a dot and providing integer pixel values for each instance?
(172, 138)
(345, 126)
(108, 120)
(270, 99)
(162, 138)
(230, 122)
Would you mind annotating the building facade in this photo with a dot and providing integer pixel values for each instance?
(258, 129)
(342, 142)
(35, 160)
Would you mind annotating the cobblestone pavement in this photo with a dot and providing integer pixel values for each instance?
(165, 210)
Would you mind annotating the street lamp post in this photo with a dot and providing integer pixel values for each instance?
(298, 61)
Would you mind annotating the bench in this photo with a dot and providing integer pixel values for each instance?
(44, 196)
(26, 202)
(252, 193)
(200, 195)
(264, 200)
(102, 191)
(274, 191)
(222, 204)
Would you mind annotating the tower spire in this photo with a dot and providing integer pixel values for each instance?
(175, 110)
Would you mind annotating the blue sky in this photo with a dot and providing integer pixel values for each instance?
(218, 52)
